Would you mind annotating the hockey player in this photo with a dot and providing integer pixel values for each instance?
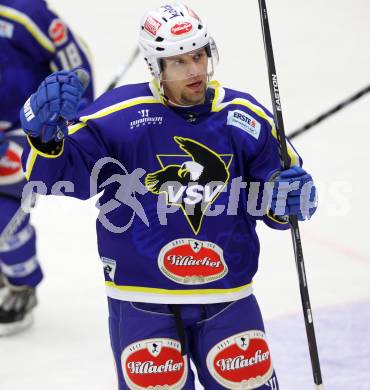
(179, 253)
(34, 42)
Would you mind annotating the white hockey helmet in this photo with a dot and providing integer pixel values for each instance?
(172, 30)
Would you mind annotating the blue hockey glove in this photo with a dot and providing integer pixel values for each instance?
(294, 194)
(4, 144)
(57, 99)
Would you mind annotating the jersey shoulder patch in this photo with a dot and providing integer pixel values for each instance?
(245, 122)
(246, 113)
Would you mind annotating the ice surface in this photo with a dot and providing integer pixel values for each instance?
(322, 56)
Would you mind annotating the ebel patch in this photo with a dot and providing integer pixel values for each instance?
(109, 267)
(245, 122)
(6, 29)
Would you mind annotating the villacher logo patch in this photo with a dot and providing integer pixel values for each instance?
(154, 364)
(242, 361)
(192, 262)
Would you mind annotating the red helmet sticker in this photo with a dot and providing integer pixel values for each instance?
(154, 364)
(11, 165)
(241, 361)
(152, 26)
(58, 32)
(189, 261)
(181, 28)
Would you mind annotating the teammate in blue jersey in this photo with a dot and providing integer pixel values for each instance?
(178, 162)
(34, 42)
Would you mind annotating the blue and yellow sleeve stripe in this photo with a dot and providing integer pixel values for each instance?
(24, 20)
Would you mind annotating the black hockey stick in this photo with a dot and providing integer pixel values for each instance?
(329, 113)
(297, 244)
(126, 67)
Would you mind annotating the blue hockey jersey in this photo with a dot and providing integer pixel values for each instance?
(173, 224)
(34, 42)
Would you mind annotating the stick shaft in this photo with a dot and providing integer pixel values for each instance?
(297, 244)
(329, 112)
(126, 67)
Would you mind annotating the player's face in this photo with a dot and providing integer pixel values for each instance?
(184, 77)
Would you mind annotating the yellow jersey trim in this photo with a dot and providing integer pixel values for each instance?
(74, 128)
(271, 216)
(29, 24)
(162, 291)
(156, 91)
(31, 160)
(34, 153)
(111, 110)
(119, 107)
(46, 155)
